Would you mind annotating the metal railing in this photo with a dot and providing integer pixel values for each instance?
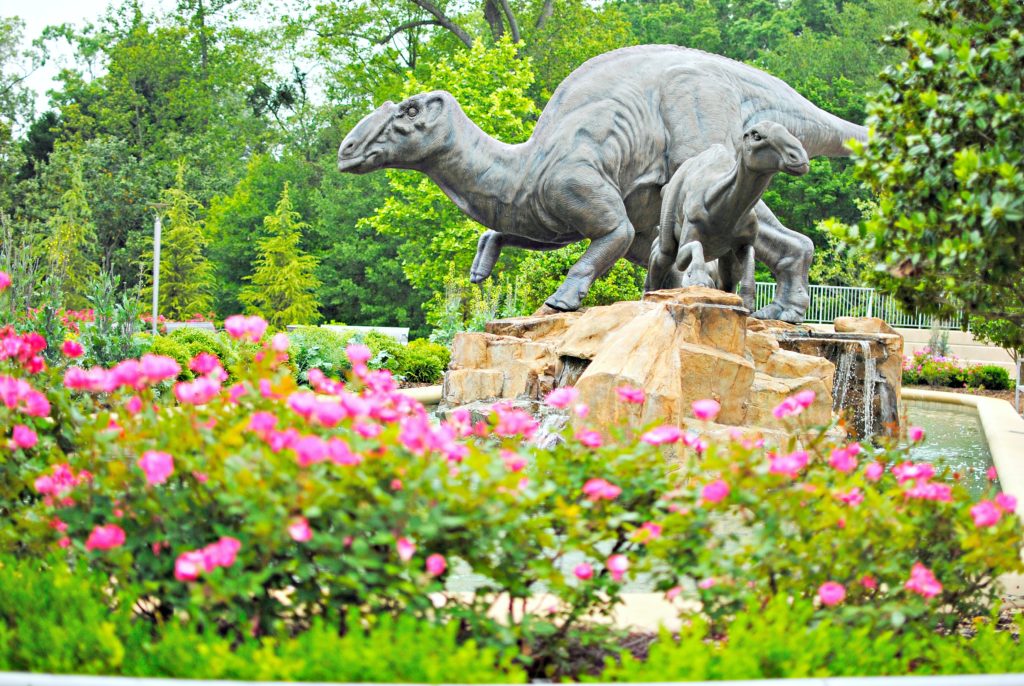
(1020, 383)
(829, 302)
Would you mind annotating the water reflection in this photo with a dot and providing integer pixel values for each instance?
(953, 440)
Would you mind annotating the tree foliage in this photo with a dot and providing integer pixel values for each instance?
(70, 244)
(946, 161)
(282, 287)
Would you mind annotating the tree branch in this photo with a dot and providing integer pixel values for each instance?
(406, 26)
(444, 21)
(545, 13)
(512, 24)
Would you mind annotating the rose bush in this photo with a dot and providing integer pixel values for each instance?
(251, 505)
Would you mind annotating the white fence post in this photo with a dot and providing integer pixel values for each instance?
(1020, 382)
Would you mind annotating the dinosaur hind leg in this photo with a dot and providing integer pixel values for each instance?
(488, 249)
(788, 255)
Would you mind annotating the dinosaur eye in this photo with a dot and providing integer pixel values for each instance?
(412, 110)
(756, 136)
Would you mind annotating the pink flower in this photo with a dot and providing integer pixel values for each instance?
(908, 471)
(1006, 502)
(986, 513)
(262, 422)
(310, 450)
(157, 466)
(406, 549)
(339, 452)
(105, 537)
(562, 397)
(72, 349)
(513, 461)
(661, 435)
(853, 497)
(794, 404)
(583, 571)
(714, 492)
(5, 281)
(874, 471)
(436, 564)
(673, 593)
(358, 354)
(915, 434)
(514, 422)
(279, 343)
(705, 584)
(650, 531)
(220, 554)
(581, 410)
(991, 474)
(23, 437)
(617, 566)
(591, 439)
(628, 394)
(788, 465)
(299, 530)
(197, 392)
(929, 490)
(869, 582)
(157, 368)
(923, 582)
(831, 593)
(706, 409)
(599, 489)
(188, 566)
(134, 405)
(842, 461)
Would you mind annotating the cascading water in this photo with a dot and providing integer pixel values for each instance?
(843, 377)
(571, 370)
(869, 390)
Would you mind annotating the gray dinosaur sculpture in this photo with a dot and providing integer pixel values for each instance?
(707, 210)
(609, 139)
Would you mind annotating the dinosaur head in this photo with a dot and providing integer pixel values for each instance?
(770, 147)
(399, 136)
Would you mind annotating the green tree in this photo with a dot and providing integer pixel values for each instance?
(437, 238)
(946, 161)
(283, 285)
(70, 244)
(186, 275)
(1006, 334)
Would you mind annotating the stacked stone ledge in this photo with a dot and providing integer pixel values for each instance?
(678, 345)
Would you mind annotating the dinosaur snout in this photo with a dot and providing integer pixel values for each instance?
(356, 153)
(795, 161)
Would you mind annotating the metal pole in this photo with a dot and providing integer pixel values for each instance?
(157, 228)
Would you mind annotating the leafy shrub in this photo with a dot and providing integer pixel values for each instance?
(203, 341)
(926, 367)
(990, 376)
(111, 336)
(317, 348)
(421, 361)
(798, 640)
(53, 620)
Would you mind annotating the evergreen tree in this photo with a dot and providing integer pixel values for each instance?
(186, 275)
(282, 287)
(69, 244)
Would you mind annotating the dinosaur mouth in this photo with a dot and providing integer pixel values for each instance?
(798, 169)
(359, 163)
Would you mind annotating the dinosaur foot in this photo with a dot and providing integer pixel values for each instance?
(780, 312)
(478, 277)
(544, 311)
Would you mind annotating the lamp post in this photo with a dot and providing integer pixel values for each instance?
(157, 229)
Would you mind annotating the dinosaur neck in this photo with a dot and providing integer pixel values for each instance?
(738, 192)
(480, 174)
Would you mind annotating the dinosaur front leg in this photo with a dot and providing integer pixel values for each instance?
(742, 268)
(488, 250)
(788, 255)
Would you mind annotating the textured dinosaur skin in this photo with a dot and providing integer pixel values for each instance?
(707, 211)
(610, 138)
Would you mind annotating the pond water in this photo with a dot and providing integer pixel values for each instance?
(954, 440)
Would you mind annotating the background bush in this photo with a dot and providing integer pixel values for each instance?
(928, 368)
(421, 361)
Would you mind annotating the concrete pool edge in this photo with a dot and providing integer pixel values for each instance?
(1003, 429)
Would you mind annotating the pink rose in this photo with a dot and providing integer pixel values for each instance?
(617, 566)
(869, 582)
(831, 593)
(157, 368)
(874, 471)
(562, 397)
(1006, 502)
(436, 564)
(23, 437)
(985, 514)
(358, 354)
(714, 492)
(915, 434)
(662, 435)
(222, 553)
(5, 281)
(406, 549)
(706, 409)
(628, 394)
(188, 566)
(105, 537)
(991, 474)
(788, 465)
(853, 497)
(599, 489)
(705, 584)
(157, 466)
(923, 582)
(279, 343)
(842, 461)
(590, 439)
(583, 571)
(72, 349)
(299, 530)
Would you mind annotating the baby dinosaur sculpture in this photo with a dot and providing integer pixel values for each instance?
(610, 138)
(707, 210)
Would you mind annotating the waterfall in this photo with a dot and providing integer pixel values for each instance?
(843, 377)
(869, 390)
(571, 370)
